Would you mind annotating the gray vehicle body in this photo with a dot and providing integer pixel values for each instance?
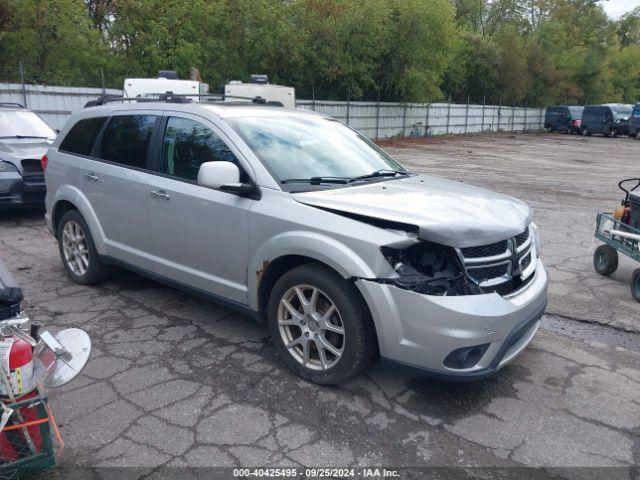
(228, 247)
(21, 177)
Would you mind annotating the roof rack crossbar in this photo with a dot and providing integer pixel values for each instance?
(179, 98)
(11, 104)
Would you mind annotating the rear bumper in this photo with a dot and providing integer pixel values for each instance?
(17, 191)
(418, 332)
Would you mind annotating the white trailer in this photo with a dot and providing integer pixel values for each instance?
(271, 93)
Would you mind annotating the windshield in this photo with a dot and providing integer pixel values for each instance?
(622, 112)
(23, 124)
(307, 147)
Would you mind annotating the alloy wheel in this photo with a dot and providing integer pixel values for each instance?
(75, 248)
(311, 327)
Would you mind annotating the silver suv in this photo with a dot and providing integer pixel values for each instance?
(302, 222)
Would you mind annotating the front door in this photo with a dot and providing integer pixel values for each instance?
(115, 181)
(198, 235)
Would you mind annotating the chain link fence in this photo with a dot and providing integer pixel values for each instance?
(377, 120)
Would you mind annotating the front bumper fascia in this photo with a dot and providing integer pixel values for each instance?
(18, 192)
(417, 332)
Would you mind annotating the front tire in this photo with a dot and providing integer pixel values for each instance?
(319, 325)
(77, 250)
(605, 260)
(635, 284)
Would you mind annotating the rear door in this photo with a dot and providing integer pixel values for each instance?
(199, 235)
(116, 181)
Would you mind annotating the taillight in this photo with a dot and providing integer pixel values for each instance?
(44, 161)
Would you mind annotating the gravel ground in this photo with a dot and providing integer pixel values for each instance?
(177, 382)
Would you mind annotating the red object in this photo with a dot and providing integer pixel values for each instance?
(44, 161)
(21, 353)
(576, 123)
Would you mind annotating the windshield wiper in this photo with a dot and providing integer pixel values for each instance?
(317, 180)
(23, 136)
(383, 172)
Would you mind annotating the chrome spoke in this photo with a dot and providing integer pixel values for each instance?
(330, 327)
(323, 355)
(294, 313)
(326, 344)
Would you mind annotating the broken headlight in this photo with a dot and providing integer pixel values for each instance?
(428, 268)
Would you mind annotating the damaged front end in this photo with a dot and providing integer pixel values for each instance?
(430, 269)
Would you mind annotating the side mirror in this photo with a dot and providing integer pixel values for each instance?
(216, 174)
(225, 176)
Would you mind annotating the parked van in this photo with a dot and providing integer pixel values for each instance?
(563, 119)
(610, 119)
(634, 122)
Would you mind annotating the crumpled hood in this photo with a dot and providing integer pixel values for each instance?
(14, 151)
(446, 212)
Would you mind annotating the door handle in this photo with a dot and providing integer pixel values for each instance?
(91, 176)
(161, 194)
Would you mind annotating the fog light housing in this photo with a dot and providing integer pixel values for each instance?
(466, 357)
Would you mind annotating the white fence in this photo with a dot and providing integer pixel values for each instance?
(386, 119)
(53, 104)
(372, 119)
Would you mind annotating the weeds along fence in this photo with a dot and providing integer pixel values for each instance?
(373, 119)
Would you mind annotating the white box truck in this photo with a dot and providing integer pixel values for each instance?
(259, 87)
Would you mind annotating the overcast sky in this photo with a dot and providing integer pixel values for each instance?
(616, 8)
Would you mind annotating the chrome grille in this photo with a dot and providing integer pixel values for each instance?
(501, 267)
(485, 250)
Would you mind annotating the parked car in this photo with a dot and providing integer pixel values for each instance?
(608, 120)
(24, 138)
(634, 122)
(295, 218)
(563, 119)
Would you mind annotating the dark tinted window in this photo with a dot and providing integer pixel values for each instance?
(126, 140)
(82, 136)
(188, 144)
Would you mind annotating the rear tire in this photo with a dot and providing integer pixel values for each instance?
(77, 250)
(585, 132)
(638, 135)
(324, 339)
(614, 133)
(605, 260)
(635, 284)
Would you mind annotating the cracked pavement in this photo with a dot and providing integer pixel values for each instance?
(176, 381)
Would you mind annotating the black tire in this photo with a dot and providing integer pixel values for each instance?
(95, 271)
(605, 260)
(635, 284)
(358, 342)
(638, 135)
(614, 133)
(585, 132)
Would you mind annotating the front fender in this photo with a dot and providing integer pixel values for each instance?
(73, 195)
(309, 244)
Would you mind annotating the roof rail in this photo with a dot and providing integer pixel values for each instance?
(11, 104)
(171, 97)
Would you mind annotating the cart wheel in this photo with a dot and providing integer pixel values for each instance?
(635, 284)
(605, 260)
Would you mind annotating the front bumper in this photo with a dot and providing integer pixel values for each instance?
(419, 331)
(17, 191)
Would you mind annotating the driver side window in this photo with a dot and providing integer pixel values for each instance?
(188, 144)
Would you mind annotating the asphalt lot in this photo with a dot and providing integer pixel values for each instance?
(175, 381)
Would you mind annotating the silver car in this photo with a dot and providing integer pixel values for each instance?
(302, 222)
(24, 138)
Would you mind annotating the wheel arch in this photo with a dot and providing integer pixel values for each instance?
(70, 198)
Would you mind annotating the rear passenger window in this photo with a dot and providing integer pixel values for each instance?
(82, 136)
(126, 140)
(188, 144)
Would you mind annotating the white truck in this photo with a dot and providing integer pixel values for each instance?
(259, 86)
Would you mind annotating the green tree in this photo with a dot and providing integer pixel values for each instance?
(54, 41)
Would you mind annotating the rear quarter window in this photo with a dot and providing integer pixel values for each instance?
(82, 136)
